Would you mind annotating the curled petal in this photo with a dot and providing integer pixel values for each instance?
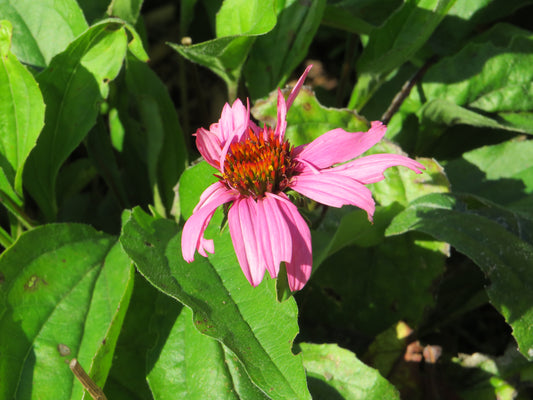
(300, 265)
(233, 121)
(335, 190)
(192, 237)
(370, 169)
(209, 146)
(338, 146)
(296, 89)
(247, 239)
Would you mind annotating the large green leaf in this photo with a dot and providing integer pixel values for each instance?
(275, 55)
(496, 239)
(336, 373)
(21, 117)
(249, 321)
(72, 86)
(394, 43)
(194, 366)
(238, 22)
(64, 294)
(127, 377)
(486, 84)
(42, 28)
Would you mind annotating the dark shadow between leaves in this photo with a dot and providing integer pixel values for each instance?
(320, 390)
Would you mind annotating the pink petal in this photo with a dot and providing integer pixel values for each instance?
(209, 146)
(211, 193)
(335, 190)
(275, 233)
(233, 121)
(246, 237)
(338, 146)
(300, 265)
(192, 237)
(296, 89)
(370, 169)
(281, 124)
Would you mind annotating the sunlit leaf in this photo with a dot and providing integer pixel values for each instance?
(22, 117)
(237, 25)
(336, 373)
(63, 298)
(42, 29)
(249, 321)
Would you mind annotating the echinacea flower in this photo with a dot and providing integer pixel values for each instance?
(258, 165)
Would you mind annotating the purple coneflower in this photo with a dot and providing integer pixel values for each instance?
(257, 166)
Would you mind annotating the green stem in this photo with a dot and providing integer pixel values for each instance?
(232, 91)
(17, 211)
(5, 239)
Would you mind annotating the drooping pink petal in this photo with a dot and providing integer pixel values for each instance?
(334, 190)
(246, 238)
(370, 169)
(281, 124)
(209, 146)
(300, 265)
(192, 237)
(275, 233)
(296, 89)
(338, 146)
(211, 193)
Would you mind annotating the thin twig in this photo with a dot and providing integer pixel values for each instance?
(404, 92)
(89, 385)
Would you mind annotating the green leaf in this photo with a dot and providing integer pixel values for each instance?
(487, 377)
(307, 119)
(401, 185)
(245, 17)
(192, 184)
(127, 377)
(394, 43)
(128, 10)
(486, 84)
(64, 294)
(22, 117)
(238, 23)
(249, 321)
(275, 55)
(73, 85)
(166, 154)
(465, 17)
(194, 366)
(36, 22)
(363, 290)
(336, 373)
(502, 173)
(473, 228)
(358, 16)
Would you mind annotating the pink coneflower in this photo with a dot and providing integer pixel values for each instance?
(257, 166)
